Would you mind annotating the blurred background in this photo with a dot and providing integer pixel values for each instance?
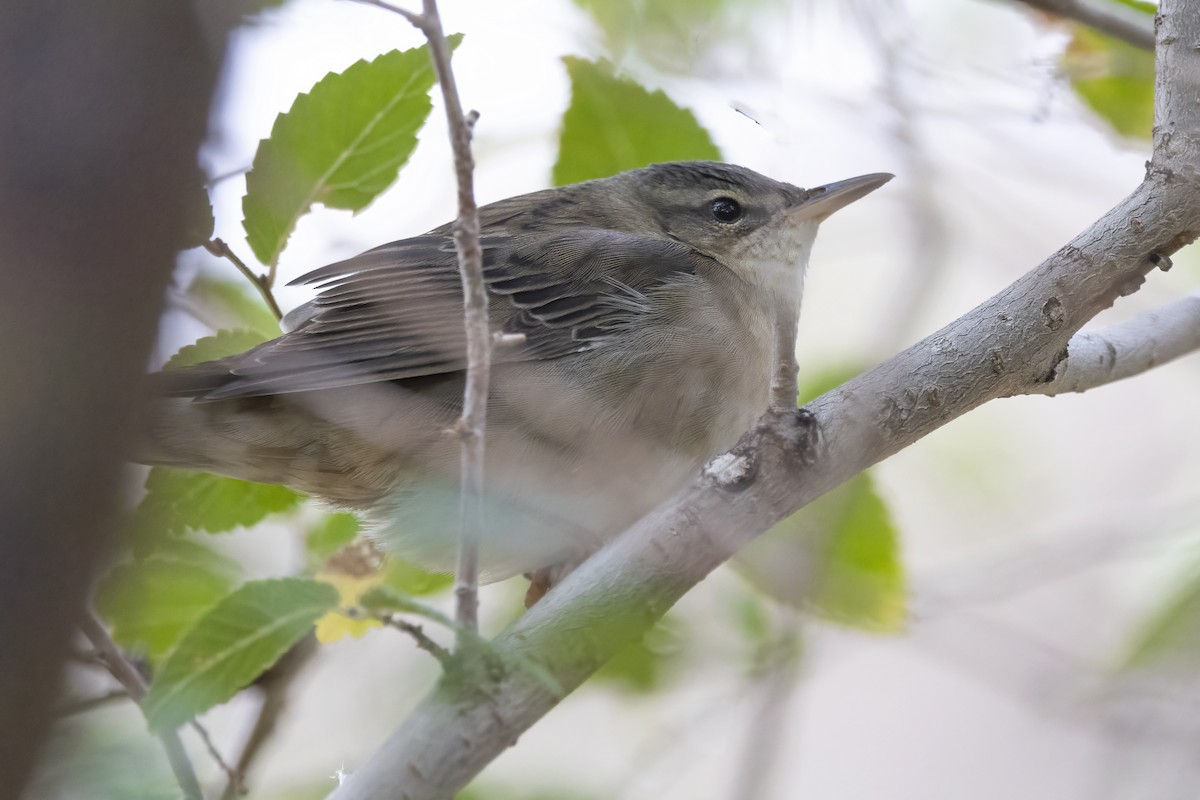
(1008, 608)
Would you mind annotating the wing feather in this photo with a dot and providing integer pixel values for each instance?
(395, 312)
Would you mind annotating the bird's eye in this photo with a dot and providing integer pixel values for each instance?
(725, 209)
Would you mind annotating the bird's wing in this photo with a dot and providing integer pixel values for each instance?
(395, 312)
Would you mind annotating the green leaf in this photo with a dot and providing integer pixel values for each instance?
(232, 644)
(341, 144)
(643, 666)
(232, 299)
(1115, 79)
(1144, 6)
(333, 533)
(151, 602)
(178, 500)
(613, 124)
(412, 580)
(838, 556)
(1171, 636)
(678, 35)
(211, 348)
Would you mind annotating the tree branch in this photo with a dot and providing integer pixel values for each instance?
(1124, 23)
(126, 675)
(473, 423)
(1011, 343)
(1128, 348)
(262, 283)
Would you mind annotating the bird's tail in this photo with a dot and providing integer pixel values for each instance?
(343, 445)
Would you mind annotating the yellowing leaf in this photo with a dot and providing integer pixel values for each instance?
(335, 625)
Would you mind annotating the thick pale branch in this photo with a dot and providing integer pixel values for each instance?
(1010, 344)
(1128, 348)
(1106, 16)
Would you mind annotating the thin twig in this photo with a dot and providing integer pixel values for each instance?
(91, 703)
(889, 28)
(1127, 24)
(444, 656)
(224, 176)
(479, 340)
(417, 21)
(128, 676)
(262, 283)
(274, 685)
(235, 780)
(473, 423)
(780, 662)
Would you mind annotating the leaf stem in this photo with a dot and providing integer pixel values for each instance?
(262, 283)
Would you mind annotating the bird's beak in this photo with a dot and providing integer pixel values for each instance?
(822, 201)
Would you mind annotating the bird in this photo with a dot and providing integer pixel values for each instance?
(635, 339)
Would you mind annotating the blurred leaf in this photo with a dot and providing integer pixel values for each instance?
(178, 500)
(676, 35)
(838, 556)
(1143, 6)
(232, 644)
(824, 380)
(211, 348)
(87, 759)
(333, 533)
(613, 124)
(413, 580)
(1171, 636)
(388, 600)
(245, 308)
(1115, 79)
(752, 617)
(152, 601)
(644, 665)
(341, 144)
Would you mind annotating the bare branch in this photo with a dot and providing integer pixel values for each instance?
(417, 20)
(444, 657)
(1009, 344)
(135, 686)
(274, 684)
(231, 775)
(479, 339)
(473, 423)
(1128, 348)
(1124, 23)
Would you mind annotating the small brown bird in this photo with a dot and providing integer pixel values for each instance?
(645, 307)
